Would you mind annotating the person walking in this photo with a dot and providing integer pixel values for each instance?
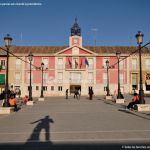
(76, 94)
(91, 93)
(66, 93)
(79, 93)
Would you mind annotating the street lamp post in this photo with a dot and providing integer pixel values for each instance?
(30, 56)
(7, 41)
(107, 65)
(42, 68)
(139, 37)
(119, 96)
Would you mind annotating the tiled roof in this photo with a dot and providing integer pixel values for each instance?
(55, 49)
(114, 49)
(37, 49)
(2, 52)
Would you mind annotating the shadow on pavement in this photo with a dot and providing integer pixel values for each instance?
(43, 123)
(133, 113)
(34, 142)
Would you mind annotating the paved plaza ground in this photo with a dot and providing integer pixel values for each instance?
(58, 123)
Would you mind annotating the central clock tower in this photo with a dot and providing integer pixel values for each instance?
(75, 37)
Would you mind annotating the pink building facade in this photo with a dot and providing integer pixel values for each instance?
(69, 67)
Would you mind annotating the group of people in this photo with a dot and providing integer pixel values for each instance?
(77, 93)
(12, 98)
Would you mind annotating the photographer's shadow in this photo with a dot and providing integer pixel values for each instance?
(43, 123)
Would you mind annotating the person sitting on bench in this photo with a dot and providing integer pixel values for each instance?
(12, 102)
(135, 100)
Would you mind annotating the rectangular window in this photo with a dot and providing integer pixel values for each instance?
(28, 77)
(105, 78)
(29, 88)
(17, 77)
(134, 77)
(134, 64)
(18, 63)
(60, 63)
(90, 77)
(121, 64)
(3, 64)
(28, 65)
(75, 77)
(44, 88)
(147, 63)
(45, 77)
(91, 63)
(104, 62)
(60, 77)
(37, 88)
(52, 88)
(59, 88)
(121, 78)
(45, 61)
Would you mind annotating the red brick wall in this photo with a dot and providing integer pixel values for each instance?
(51, 63)
(37, 76)
(99, 61)
(99, 70)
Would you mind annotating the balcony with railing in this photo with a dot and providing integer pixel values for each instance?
(75, 81)
(90, 81)
(134, 67)
(75, 67)
(17, 81)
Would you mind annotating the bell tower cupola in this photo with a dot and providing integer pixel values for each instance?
(75, 37)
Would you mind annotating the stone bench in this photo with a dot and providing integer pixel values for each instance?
(41, 99)
(120, 101)
(108, 97)
(142, 107)
(6, 110)
(30, 103)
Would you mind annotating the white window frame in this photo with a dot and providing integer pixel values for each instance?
(60, 63)
(90, 77)
(18, 63)
(147, 63)
(105, 78)
(17, 77)
(134, 63)
(91, 63)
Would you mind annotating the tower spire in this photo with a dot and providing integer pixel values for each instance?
(75, 29)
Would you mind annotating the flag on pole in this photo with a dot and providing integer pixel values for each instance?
(86, 61)
(81, 63)
(76, 63)
(70, 63)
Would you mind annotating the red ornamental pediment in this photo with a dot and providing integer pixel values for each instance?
(76, 51)
(67, 51)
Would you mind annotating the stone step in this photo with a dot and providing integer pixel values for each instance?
(142, 107)
(6, 110)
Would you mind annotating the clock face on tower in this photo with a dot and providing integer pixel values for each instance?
(75, 41)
